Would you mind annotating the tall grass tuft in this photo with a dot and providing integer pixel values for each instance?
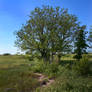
(82, 67)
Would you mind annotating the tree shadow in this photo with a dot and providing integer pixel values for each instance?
(64, 62)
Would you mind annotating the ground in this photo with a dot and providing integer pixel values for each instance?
(16, 76)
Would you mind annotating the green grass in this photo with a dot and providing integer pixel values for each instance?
(68, 79)
(17, 75)
(69, 83)
(11, 61)
(70, 57)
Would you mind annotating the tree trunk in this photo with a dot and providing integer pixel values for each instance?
(59, 57)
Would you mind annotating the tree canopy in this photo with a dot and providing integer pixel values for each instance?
(48, 31)
(80, 42)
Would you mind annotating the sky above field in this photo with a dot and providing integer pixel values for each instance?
(14, 13)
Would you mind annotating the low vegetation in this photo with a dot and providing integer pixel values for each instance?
(17, 74)
(48, 38)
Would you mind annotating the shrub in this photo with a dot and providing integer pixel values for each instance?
(82, 67)
(39, 66)
(69, 83)
(52, 69)
(46, 68)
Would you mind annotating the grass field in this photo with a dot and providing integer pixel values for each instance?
(16, 76)
(11, 61)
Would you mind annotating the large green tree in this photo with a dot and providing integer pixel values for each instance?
(48, 31)
(80, 42)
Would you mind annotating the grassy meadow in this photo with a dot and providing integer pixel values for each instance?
(17, 74)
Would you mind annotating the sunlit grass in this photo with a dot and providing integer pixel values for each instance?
(12, 61)
(15, 75)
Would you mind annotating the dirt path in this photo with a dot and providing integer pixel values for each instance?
(44, 80)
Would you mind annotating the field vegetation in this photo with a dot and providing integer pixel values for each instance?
(17, 74)
(49, 38)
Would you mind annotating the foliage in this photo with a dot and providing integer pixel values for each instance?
(80, 42)
(51, 70)
(90, 37)
(6, 54)
(48, 31)
(39, 66)
(82, 67)
(68, 81)
(17, 75)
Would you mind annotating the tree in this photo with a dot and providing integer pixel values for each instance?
(6, 54)
(80, 42)
(48, 31)
(90, 37)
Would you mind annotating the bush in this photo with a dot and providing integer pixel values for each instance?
(52, 69)
(82, 67)
(39, 66)
(69, 83)
(46, 68)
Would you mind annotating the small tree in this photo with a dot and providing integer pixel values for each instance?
(80, 43)
(90, 37)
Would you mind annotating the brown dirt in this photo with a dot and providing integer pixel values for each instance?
(44, 80)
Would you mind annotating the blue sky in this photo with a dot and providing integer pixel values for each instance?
(13, 13)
